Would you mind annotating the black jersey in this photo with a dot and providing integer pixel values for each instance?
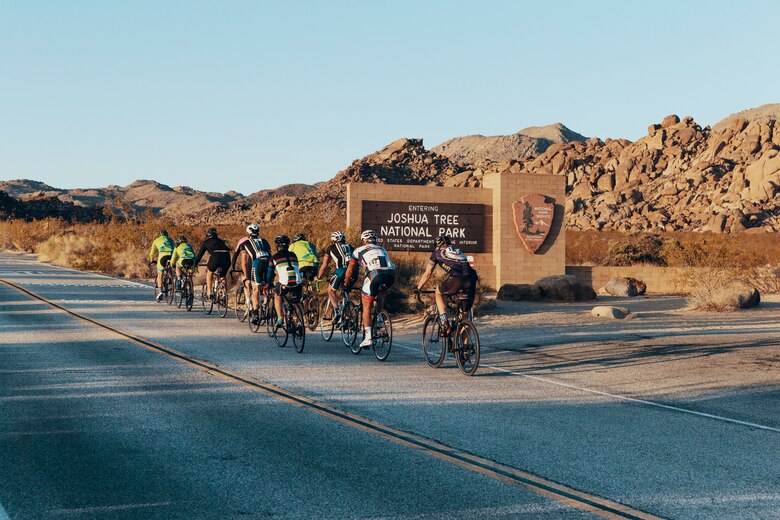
(453, 261)
(340, 254)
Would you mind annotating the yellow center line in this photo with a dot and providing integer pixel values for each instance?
(548, 488)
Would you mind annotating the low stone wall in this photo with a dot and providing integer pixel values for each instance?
(659, 280)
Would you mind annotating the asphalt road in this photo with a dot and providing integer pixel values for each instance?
(94, 425)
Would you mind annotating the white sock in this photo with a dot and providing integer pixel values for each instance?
(367, 331)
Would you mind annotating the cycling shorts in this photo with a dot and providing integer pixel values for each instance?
(186, 263)
(294, 293)
(219, 265)
(453, 284)
(308, 272)
(378, 281)
(163, 261)
(337, 279)
(259, 271)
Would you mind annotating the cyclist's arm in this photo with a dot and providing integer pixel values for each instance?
(200, 254)
(236, 254)
(174, 256)
(350, 271)
(323, 266)
(153, 252)
(426, 275)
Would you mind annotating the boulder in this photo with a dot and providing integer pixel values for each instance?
(519, 292)
(670, 121)
(565, 288)
(747, 297)
(609, 311)
(625, 286)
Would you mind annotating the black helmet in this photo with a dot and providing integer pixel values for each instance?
(212, 232)
(182, 239)
(282, 240)
(162, 233)
(299, 236)
(442, 240)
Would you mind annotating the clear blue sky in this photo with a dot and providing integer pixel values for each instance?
(248, 95)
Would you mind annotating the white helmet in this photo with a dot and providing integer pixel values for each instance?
(253, 229)
(369, 235)
(338, 236)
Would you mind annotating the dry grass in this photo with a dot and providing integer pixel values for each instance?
(719, 290)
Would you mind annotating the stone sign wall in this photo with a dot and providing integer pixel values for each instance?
(408, 219)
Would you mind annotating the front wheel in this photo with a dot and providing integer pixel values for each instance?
(208, 303)
(298, 328)
(353, 328)
(241, 307)
(467, 348)
(189, 294)
(221, 297)
(383, 335)
(434, 348)
(326, 321)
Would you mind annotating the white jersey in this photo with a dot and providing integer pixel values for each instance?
(373, 258)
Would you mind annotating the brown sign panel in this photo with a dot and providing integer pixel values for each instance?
(533, 219)
(413, 226)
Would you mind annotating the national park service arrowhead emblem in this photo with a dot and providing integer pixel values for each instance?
(533, 220)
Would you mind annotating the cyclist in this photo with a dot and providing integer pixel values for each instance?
(340, 252)
(253, 253)
(183, 257)
(162, 247)
(308, 261)
(219, 258)
(380, 275)
(284, 264)
(460, 277)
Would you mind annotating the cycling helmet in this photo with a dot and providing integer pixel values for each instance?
(182, 239)
(212, 232)
(338, 236)
(299, 236)
(162, 233)
(369, 235)
(442, 240)
(282, 240)
(253, 230)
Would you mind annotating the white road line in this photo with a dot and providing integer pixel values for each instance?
(3, 514)
(618, 396)
(108, 509)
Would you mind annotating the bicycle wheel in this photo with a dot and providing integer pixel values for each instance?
(221, 297)
(208, 304)
(298, 328)
(326, 321)
(189, 295)
(355, 329)
(169, 290)
(434, 348)
(241, 307)
(178, 296)
(467, 348)
(270, 319)
(280, 333)
(312, 309)
(383, 335)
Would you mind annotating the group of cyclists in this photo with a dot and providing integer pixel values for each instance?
(296, 262)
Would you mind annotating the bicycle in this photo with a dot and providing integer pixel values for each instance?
(241, 307)
(167, 284)
(381, 327)
(219, 294)
(186, 293)
(311, 304)
(328, 316)
(262, 311)
(462, 340)
(293, 324)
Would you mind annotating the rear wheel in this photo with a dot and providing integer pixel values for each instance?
(168, 288)
(467, 348)
(280, 334)
(221, 297)
(298, 328)
(208, 304)
(189, 296)
(383, 335)
(270, 320)
(352, 328)
(312, 310)
(434, 348)
(241, 306)
(326, 321)
(178, 296)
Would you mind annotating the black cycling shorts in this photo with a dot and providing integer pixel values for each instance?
(376, 283)
(294, 293)
(453, 284)
(218, 266)
(308, 272)
(338, 279)
(259, 271)
(165, 260)
(187, 263)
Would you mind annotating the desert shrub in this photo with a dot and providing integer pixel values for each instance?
(644, 249)
(717, 289)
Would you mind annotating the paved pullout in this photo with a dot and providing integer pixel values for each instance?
(94, 425)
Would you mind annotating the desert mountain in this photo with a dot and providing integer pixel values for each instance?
(487, 151)
(762, 113)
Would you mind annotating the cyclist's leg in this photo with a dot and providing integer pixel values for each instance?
(209, 281)
(278, 303)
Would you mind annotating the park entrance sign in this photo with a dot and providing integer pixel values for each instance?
(480, 221)
(414, 226)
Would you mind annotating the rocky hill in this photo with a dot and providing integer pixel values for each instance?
(680, 176)
(44, 206)
(481, 151)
